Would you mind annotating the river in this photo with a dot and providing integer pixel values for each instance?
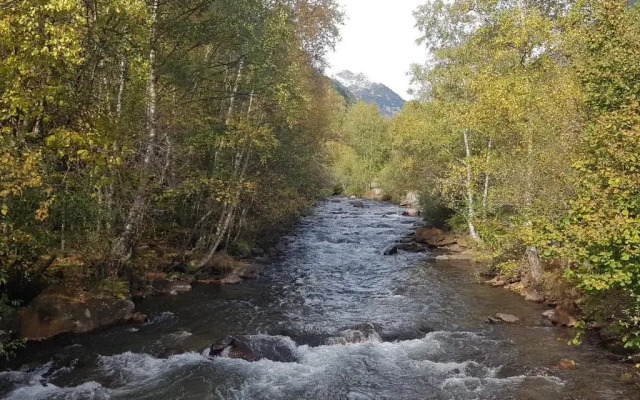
(334, 319)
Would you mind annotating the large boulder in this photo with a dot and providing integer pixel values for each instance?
(57, 310)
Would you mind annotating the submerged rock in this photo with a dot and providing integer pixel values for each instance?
(58, 310)
(358, 204)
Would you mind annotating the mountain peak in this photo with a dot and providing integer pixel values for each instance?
(363, 88)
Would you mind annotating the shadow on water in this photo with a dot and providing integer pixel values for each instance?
(333, 319)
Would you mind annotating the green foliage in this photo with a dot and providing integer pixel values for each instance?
(436, 213)
(8, 344)
(362, 148)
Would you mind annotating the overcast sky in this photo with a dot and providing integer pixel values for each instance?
(378, 39)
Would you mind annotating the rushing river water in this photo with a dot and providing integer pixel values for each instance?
(334, 319)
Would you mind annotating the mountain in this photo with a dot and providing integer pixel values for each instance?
(359, 87)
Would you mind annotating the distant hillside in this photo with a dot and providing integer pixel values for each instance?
(357, 86)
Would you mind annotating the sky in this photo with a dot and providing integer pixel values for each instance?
(378, 40)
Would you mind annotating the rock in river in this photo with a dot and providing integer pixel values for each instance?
(231, 279)
(500, 317)
(534, 297)
(389, 250)
(565, 313)
(164, 286)
(58, 310)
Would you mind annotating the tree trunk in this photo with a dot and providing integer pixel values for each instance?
(123, 78)
(531, 252)
(535, 267)
(469, 187)
(228, 210)
(227, 120)
(123, 248)
(485, 193)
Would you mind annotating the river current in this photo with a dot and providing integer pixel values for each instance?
(332, 318)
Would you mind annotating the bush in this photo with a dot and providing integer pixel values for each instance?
(435, 212)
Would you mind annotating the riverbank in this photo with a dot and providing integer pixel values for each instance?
(567, 306)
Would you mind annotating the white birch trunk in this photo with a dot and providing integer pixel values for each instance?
(469, 187)
(121, 86)
(485, 192)
(123, 247)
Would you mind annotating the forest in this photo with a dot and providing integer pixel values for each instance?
(130, 129)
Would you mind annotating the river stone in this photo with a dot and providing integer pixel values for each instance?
(566, 363)
(497, 281)
(231, 279)
(389, 250)
(508, 318)
(534, 297)
(58, 310)
(164, 286)
(254, 348)
(358, 334)
(359, 204)
(412, 212)
(138, 318)
(249, 272)
(565, 313)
